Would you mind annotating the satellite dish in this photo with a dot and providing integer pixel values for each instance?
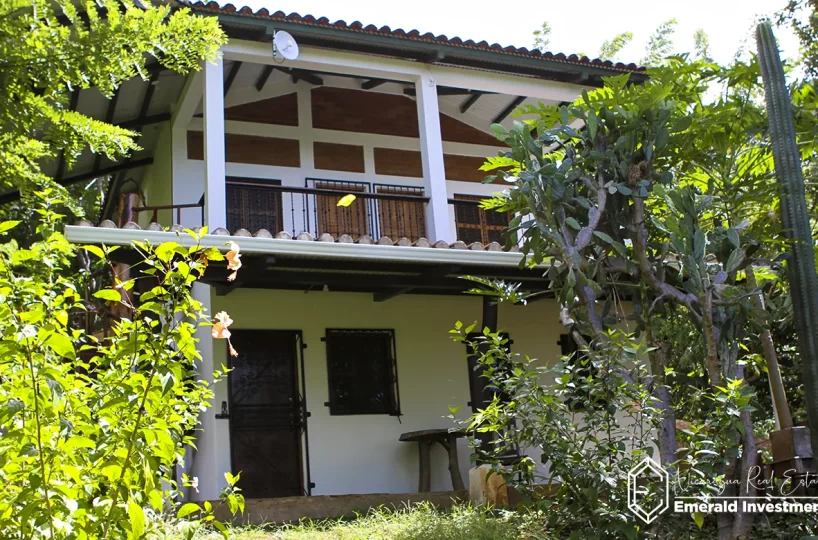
(285, 45)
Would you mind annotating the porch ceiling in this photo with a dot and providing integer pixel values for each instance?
(141, 105)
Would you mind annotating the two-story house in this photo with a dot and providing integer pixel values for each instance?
(341, 312)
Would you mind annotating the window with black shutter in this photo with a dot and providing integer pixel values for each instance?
(475, 224)
(252, 205)
(362, 371)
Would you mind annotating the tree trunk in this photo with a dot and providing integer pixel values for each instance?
(781, 407)
(749, 457)
(667, 429)
(710, 338)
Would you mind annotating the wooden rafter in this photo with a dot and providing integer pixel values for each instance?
(442, 91)
(471, 100)
(109, 118)
(300, 74)
(508, 110)
(231, 76)
(147, 98)
(372, 83)
(266, 71)
(144, 162)
(140, 122)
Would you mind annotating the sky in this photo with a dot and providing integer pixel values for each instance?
(578, 26)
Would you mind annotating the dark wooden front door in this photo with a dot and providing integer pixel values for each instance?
(266, 417)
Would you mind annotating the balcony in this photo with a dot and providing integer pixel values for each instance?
(380, 213)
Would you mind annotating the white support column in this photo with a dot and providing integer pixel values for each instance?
(301, 215)
(304, 97)
(212, 458)
(431, 151)
(215, 198)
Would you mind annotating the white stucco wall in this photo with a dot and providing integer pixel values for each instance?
(362, 454)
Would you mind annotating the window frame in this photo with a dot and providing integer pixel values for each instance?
(256, 183)
(391, 385)
(483, 225)
(412, 210)
(333, 219)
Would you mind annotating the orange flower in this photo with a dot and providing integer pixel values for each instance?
(220, 331)
(233, 260)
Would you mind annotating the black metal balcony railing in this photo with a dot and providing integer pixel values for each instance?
(154, 210)
(378, 209)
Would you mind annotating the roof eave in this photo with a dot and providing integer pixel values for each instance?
(503, 60)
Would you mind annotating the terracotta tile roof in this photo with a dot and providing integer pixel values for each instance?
(411, 35)
(307, 237)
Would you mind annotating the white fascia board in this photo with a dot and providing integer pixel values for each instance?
(318, 59)
(300, 248)
(364, 65)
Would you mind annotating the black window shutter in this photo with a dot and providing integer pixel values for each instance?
(362, 372)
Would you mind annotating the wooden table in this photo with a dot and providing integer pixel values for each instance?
(426, 439)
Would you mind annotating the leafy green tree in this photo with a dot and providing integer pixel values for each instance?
(49, 49)
(542, 37)
(610, 48)
(93, 423)
(802, 17)
(660, 43)
(664, 198)
(702, 45)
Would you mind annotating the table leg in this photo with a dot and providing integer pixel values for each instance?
(425, 481)
(454, 465)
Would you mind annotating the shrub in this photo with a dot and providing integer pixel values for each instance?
(94, 424)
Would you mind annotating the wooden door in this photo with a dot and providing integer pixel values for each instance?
(399, 219)
(337, 220)
(266, 416)
(477, 225)
(253, 206)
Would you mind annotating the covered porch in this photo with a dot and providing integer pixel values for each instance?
(343, 348)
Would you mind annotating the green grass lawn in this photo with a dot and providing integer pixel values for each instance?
(421, 522)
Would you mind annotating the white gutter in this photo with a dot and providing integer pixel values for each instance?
(300, 248)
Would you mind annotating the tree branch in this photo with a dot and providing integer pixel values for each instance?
(640, 249)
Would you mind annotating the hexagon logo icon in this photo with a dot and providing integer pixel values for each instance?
(648, 490)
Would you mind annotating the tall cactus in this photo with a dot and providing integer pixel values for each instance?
(794, 217)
